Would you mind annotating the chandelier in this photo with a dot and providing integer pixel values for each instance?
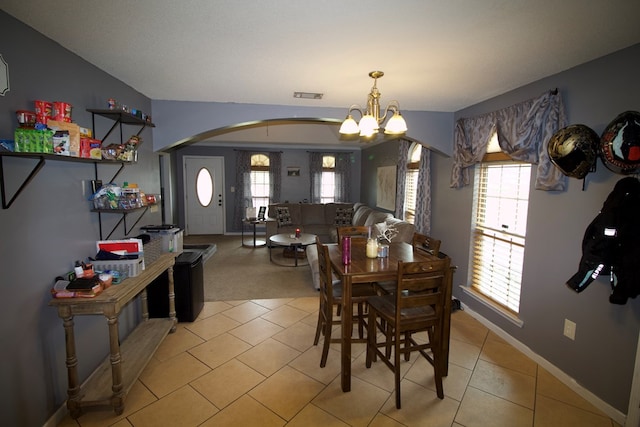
(371, 120)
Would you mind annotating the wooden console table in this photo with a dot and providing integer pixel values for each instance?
(112, 380)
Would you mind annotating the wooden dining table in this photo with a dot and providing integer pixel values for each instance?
(367, 270)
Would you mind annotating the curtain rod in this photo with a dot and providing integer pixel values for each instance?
(331, 152)
(257, 151)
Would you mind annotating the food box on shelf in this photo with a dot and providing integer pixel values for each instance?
(28, 140)
(74, 137)
(90, 148)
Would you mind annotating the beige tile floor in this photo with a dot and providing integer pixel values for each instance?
(253, 363)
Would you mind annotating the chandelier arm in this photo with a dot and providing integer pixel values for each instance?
(356, 107)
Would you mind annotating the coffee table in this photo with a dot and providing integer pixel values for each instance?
(290, 242)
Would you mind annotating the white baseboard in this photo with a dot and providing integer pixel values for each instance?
(609, 410)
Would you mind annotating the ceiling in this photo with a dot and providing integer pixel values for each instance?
(437, 55)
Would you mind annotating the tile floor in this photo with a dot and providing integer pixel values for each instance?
(253, 363)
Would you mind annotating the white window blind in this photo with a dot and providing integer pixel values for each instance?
(410, 194)
(328, 180)
(259, 180)
(500, 223)
(411, 182)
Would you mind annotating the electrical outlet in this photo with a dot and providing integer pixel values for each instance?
(569, 329)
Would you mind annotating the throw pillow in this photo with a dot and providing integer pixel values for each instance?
(282, 216)
(343, 216)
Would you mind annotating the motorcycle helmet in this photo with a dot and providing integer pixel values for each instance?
(573, 150)
(620, 143)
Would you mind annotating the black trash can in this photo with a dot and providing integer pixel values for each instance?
(188, 281)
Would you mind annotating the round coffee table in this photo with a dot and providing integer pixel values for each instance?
(294, 247)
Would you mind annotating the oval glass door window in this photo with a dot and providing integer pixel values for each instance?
(204, 187)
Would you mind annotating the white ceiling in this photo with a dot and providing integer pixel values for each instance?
(437, 55)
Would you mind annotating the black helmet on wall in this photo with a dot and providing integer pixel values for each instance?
(573, 150)
(620, 143)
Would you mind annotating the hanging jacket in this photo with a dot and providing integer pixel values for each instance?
(611, 244)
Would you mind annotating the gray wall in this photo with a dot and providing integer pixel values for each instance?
(602, 356)
(49, 226)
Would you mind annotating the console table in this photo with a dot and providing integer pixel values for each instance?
(109, 384)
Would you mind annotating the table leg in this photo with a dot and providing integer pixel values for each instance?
(73, 390)
(117, 399)
(254, 234)
(347, 328)
(172, 299)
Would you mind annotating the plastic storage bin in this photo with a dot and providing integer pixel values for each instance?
(132, 267)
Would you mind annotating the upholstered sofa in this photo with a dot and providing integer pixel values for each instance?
(323, 220)
(313, 218)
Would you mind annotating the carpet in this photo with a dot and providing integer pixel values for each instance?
(235, 272)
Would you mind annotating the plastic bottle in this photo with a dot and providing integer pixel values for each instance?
(346, 250)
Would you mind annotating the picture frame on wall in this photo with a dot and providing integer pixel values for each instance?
(293, 171)
(386, 188)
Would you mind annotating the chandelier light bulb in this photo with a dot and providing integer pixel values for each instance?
(349, 126)
(396, 125)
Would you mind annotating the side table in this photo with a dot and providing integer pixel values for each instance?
(256, 242)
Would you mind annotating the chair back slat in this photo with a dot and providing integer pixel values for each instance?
(422, 284)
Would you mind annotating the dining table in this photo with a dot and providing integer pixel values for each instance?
(362, 269)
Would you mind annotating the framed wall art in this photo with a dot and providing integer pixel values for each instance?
(386, 188)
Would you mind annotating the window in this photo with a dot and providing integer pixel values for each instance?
(328, 183)
(411, 182)
(501, 200)
(259, 180)
(204, 187)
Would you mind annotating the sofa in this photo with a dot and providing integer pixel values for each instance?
(323, 220)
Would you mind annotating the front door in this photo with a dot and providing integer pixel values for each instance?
(204, 194)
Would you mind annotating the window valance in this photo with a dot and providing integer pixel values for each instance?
(523, 132)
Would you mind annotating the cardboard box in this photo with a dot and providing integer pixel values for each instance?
(74, 137)
(90, 148)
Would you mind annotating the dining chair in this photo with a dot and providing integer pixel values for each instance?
(356, 231)
(420, 242)
(428, 243)
(416, 306)
(331, 298)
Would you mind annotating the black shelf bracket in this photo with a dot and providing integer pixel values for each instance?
(34, 172)
(122, 220)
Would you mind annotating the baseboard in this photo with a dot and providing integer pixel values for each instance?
(609, 410)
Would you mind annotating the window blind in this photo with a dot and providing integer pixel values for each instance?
(500, 222)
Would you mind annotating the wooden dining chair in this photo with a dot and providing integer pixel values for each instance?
(331, 298)
(428, 243)
(417, 305)
(355, 231)
(420, 242)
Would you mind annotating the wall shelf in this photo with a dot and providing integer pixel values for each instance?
(42, 158)
(124, 212)
(119, 118)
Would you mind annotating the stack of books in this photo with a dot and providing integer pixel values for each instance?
(77, 288)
